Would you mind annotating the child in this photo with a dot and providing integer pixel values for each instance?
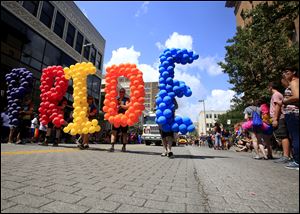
(33, 127)
(42, 132)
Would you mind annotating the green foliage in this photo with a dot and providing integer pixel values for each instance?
(235, 116)
(261, 49)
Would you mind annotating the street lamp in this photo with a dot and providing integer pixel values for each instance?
(204, 113)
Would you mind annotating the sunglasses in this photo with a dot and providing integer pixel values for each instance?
(122, 91)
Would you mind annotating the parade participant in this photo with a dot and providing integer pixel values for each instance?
(92, 112)
(123, 105)
(51, 127)
(291, 112)
(168, 138)
(25, 120)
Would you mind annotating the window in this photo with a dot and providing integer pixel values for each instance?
(70, 35)
(86, 50)
(34, 46)
(31, 6)
(216, 116)
(207, 116)
(47, 14)
(66, 60)
(59, 24)
(93, 55)
(99, 61)
(52, 55)
(79, 43)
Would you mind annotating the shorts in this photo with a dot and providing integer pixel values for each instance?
(281, 132)
(120, 129)
(166, 134)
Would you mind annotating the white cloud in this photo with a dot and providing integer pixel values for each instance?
(208, 63)
(143, 9)
(129, 55)
(177, 41)
(124, 55)
(219, 100)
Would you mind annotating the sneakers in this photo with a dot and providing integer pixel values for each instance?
(83, 146)
(112, 149)
(283, 159)
(170, 155)
(55, 145)
(256, 157)
(292, 165)
(123, 148)
(164, 154)
(43, 144)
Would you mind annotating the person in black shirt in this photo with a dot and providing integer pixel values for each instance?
(123, 105)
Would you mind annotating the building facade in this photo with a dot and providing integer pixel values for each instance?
(210, 118)
(37, 34)
(242, 6)
(151, 90)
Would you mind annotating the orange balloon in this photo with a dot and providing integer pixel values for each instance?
(105, 108)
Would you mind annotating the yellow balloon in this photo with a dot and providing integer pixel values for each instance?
(66, 129)
(73, 132)
(98, 128)
(85, 130)
(92, 129)
(94, 122)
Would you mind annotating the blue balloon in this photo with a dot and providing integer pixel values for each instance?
(175, 82)
(165, 74)
(163, 93)
(162, 69)
(158, 100)
(161, 120)
(171, 94)
(163, 58)
(167, 113)
(166, 128)
(169, 80)
(190, 128)
(188, 93)
(171, 60)
(182, 128)
(162, 86)
(167, 100)
(178, 119)
(159, 113)
(195, 56)
(165, 64)
(175, 127)
(170, 68)
(162, 106)
(169, 88)
(187, 121)
(176, 89)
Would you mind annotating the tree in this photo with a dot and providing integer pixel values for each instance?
(235, 116)
(261, 49)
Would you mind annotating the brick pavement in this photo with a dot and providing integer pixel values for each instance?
(139, 181)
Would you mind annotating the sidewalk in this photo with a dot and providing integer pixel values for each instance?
(63, 179)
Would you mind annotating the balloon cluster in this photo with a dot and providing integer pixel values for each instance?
(137, 94)
(19, 82)
(81, 123)
(51, 96)
(169, 88)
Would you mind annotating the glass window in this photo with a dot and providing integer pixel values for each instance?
(99, 61)
(86, 50)
(31, 6)
(70, 35)
(52, 55)
(59, 24)
(96, 84)
(93, 55)
(34, 45)
(47, 13)
(79, 43)
(66, 60)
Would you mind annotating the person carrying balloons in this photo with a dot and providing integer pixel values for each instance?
(123, 105)
(92, 112)
(168, 137)
(63, 103)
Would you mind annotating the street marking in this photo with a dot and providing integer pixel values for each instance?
(38, 151)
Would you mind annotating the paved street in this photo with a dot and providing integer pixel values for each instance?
(65, 179)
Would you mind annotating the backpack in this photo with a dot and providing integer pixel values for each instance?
(256, 119)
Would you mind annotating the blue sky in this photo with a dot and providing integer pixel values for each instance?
(138, 32)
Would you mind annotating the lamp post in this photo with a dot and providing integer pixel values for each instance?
(204, 115)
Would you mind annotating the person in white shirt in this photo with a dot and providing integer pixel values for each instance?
(34, 125)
